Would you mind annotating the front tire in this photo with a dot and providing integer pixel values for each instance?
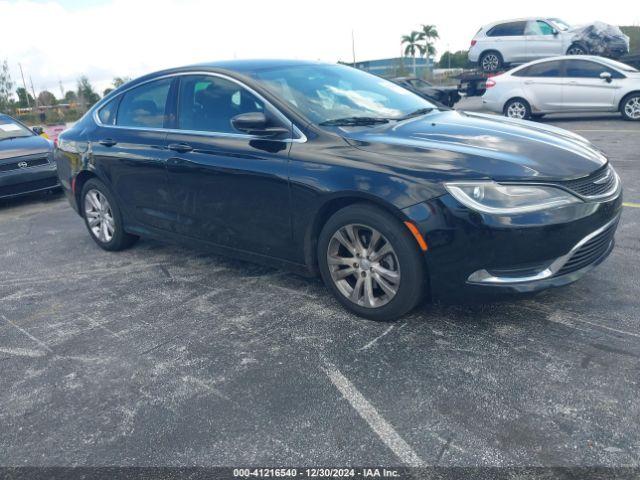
(103, 217)
(576, 49)
(517, 108)
(630, 107)
(371, 263)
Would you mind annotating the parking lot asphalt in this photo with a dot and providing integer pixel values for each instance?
(161, 355)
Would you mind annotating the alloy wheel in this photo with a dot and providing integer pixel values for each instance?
(517, 110)
(99, 215)
(490, 62)
(632, 108)
(363, 265)
(575, 51)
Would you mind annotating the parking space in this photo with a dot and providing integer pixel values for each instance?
(161, 355)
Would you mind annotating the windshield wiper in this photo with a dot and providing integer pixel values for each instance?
(354, 121)
(417, 113)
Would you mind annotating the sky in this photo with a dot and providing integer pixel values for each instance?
(56, 41)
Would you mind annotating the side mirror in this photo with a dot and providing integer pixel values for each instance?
(38, 130)
(606, 76)
(257, 123)
(555, 32)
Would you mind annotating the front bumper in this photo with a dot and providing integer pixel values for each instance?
(20, 181)
(475, 256)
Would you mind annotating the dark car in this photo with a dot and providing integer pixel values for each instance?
(26, 160)
(325, 168)
(447, 96)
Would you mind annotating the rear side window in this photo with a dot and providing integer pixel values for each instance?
(107, 114)
(208, 103)
(587, 69)
(511, 29)
(545, 69)
(145, 105)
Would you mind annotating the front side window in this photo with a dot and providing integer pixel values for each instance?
(511, 29)
(107, 114)
(145, 106)
(208, 103)
(545, 69)
(538, 27)
(325, 93)
(562, 25)
(587, 69)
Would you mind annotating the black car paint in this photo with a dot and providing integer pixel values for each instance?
(38, 175)
(266, 200)
(447, 96)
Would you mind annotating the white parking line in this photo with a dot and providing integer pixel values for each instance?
(378, 424)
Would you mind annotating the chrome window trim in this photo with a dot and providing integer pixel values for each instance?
(484, 277)
(302, 138)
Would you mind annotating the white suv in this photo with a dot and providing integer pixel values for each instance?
(565, 84)
(526, 39)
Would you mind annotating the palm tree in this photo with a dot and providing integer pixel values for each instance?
(413, 46)
(428, 34)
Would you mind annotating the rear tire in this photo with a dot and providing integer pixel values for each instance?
(354, 274)
(630, 107)
(491, 61)
(517, 108)
(103, 217)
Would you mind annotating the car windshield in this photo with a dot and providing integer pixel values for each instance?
(9, 128)
(618, 65)
(560, 24)
(337, 94)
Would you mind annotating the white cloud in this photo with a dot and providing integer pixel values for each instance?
(131, 37)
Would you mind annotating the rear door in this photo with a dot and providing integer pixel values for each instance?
(541, 40)
(542, 84)
(509, 39)
(584, 90)
(230, 188)
(129, 146)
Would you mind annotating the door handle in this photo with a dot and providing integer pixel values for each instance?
(107, 142)
(180, 147)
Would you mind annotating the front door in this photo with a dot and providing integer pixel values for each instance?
(230, 188)
(541, 40)
(585, 90)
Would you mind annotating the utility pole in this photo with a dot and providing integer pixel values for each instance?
(61, 90)
(24, 84)
(33, 91)
(353, 48)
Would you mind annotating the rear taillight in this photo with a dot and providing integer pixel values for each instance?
(473, 43)
(490, 83)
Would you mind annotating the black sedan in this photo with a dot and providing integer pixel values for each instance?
(448, 96)
(324, 168)
(26, 160)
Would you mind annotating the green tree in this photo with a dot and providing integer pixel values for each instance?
(119, 81)
(25, 99)
(70, 97)
(46, 98)
(87, 96)
(6, 88)
(454, 60)
(429, 33)
(413, 47)
(107, 91)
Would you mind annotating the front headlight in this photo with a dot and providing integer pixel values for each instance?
(492, 197)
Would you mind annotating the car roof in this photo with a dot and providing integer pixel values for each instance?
(521, 19)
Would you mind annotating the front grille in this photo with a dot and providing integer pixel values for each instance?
(590, 252)
(15, 164)
(596, 184)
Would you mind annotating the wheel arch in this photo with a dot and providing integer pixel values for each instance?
(80, 180)
(625, 97)
(328, 208)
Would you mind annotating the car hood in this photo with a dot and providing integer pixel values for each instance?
(21, 146)
(471, 145)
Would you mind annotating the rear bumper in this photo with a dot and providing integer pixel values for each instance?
(28, 180)
(473, 256)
